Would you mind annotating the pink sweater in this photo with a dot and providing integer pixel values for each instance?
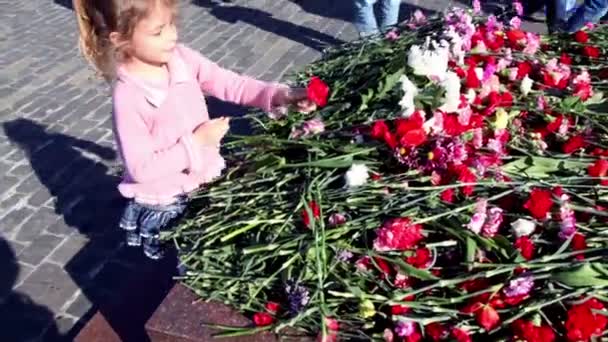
(153, 125)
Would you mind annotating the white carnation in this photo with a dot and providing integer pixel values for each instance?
(523, 227)
(451, 83)
(357, 175)
(526, 85)
(429, 62)
(409, 92)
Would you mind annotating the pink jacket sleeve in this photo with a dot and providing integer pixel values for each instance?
(229, 86)
(143, 162)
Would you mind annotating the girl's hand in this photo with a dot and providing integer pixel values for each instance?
(293, 96)
(211, 132)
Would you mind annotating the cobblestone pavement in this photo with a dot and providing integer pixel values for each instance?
(60, 251)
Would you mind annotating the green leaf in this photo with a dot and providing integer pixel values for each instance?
(389, 83)
(570, 103)
(597, 98)
(585, 275)
(542, 167)
(413, 271)
(471, 249)
(365, 98)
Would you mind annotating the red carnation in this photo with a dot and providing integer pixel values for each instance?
(316, 213)
(317, 91)
(579, 243)
(583, 323)
(461, 335)
(565, 59)
(574, 144)
(447, 195)
(437, 331)
(523, 69)
(487, 317)
(413, 138)
(414, 122)
(528, 332)
(525, 247)
(421, 258)
(398, 234)
(262, 319)
(390, 139)
(472, 81)
(581, 37)
(599, 169)
(465, 175)
(379, 128)
(516, 37)
(591, 51)
(555, 125)
(539, 203)
(272, 307)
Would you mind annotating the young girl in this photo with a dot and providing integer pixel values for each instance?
(162, 128)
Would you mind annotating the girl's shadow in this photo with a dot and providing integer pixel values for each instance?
(84, 194)
(18, 313)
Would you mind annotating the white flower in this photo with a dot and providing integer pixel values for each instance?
(409, 92)
(429, 62)
(357, 175)
(526, 85)
(470, 95)
(523, 227)
(451, 83)
(457, 48)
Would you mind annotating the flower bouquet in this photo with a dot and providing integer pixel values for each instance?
(450, 186)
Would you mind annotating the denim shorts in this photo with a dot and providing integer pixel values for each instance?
(143, 224)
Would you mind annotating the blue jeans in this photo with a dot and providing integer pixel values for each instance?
(143, 224)
(590, 12)
(558, 12)
(365, 19)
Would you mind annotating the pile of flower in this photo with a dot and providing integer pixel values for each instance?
(450, 186)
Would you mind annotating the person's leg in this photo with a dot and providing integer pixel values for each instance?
(532, 6)
(389, 13)
(557, 14)
(591, 11)
(364, 18)
(128, 222)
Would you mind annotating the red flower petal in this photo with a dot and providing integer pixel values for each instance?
(379, 128)
(273, 307)
(437, 331)
(472, 81)
(583, 323)
(525, 247)
(565, 59)
(579, 243)
(581, 37)
(591, 51)
(574, 144)
(316, 213)
(487, 317)
(599, 168)
(413, 138)
(317, 91)
(262, 319)
(461, 335)
(539, 203)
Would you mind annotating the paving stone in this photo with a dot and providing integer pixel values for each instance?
(40, 248)
(49, 285)
(69, 248)
(80, 306)
(41, 219)
(14, 219)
